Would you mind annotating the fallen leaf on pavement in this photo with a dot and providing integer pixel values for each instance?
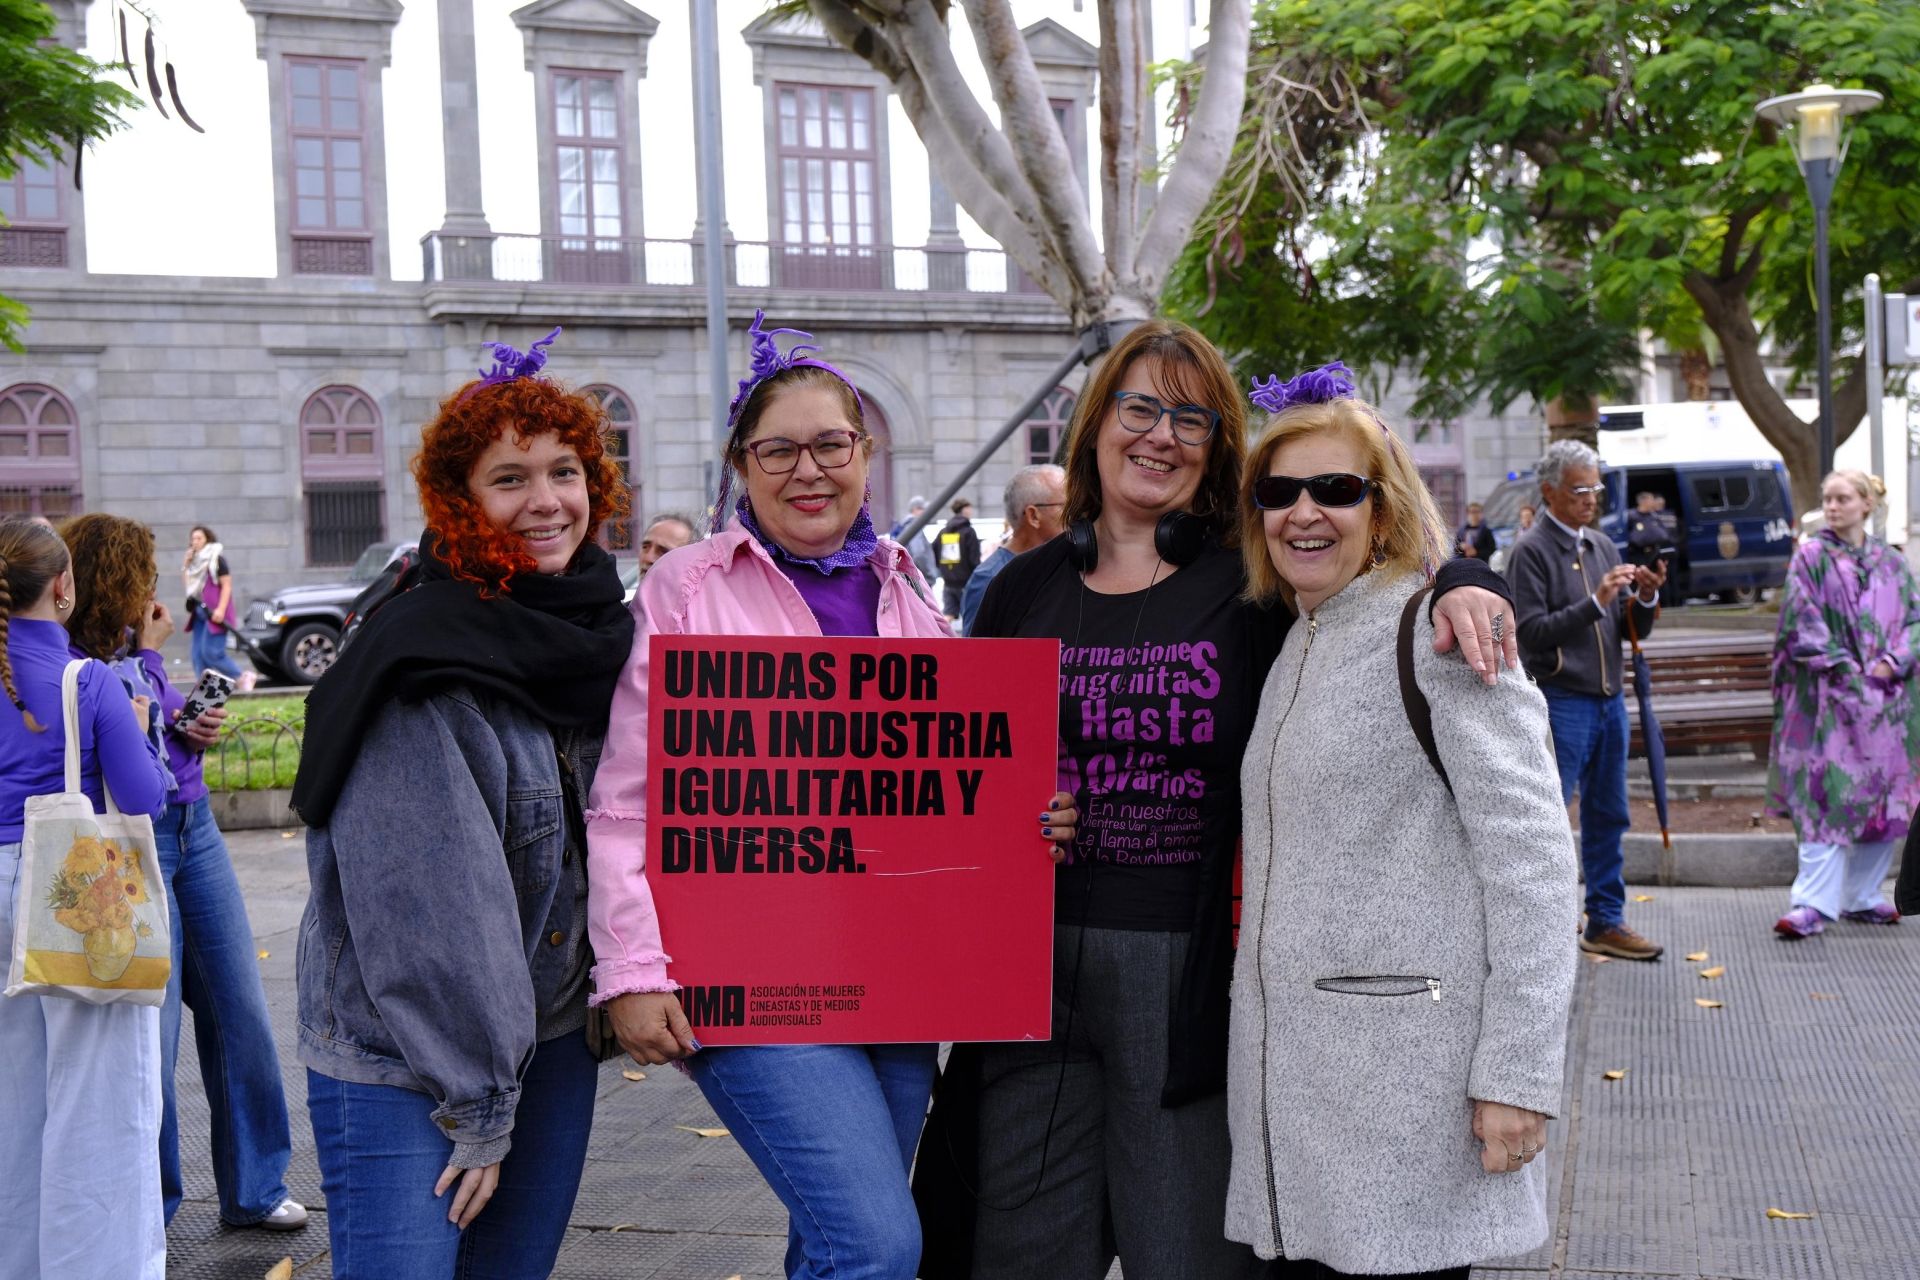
(631, 1074)
(286, 835)
(1695, 957)
(281, 1270)
(1822, 995)
(1613, 1075)
(1707, 1004)
(265, 954)
(1782, 1215)
(703, 1133)
(1714, 972)
(1643, 897)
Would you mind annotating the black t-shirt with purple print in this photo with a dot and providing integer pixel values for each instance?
(1157, 695)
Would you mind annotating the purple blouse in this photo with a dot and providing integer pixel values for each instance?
(182, 758)
(111, 742)
(843, 603)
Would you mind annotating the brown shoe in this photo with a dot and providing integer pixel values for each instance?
(1619, 942)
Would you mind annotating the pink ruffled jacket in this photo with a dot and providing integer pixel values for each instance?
(726, 585)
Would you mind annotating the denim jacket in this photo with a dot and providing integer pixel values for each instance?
(443, 931)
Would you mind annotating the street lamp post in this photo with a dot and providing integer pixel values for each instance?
(1816, 120)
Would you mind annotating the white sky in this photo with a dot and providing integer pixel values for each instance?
(163, 200)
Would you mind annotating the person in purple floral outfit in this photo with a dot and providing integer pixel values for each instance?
(1846, 732)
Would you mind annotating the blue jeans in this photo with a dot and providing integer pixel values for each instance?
(1590, 742)
(832, 1128)
(380, 1154)
(209, 649)
(217, 973)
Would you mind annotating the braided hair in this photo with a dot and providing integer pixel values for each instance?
(31, 557)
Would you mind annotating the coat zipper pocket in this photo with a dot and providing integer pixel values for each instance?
(1400, 984)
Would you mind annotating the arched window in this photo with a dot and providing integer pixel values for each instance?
(39, 453)
(617, 536)
(342, 474)
(1047, 425)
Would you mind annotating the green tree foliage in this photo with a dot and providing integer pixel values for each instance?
(51, 99)
(1500, 195)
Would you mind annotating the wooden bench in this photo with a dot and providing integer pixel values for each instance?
(1708, 689)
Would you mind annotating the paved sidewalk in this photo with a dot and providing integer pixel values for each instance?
(1801, 1093)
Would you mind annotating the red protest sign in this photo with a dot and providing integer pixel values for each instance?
(842, 838)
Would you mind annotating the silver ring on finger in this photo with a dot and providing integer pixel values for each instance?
(1499, 627)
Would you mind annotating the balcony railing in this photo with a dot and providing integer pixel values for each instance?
(579, 261)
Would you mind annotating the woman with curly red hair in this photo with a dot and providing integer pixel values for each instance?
(443, 958)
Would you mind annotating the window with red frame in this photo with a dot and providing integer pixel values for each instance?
(827, 154)
(327, 136)
(1047, 425)
(617, 535)
(39, 453)
(33, 231)
(342, 474)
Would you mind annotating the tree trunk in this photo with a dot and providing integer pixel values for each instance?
(1574, 418)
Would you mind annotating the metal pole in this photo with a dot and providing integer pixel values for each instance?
(713, 204)
(1876, 358)
(1820, 175)
(991, 447)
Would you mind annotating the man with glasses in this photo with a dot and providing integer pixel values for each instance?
(1035, 498)
(1570, 600)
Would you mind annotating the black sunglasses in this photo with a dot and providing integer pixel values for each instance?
(1334, 489)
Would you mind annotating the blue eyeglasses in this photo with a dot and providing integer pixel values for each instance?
(1141, 413)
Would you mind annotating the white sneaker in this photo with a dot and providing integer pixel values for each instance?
(290, 1216)
(245, 684)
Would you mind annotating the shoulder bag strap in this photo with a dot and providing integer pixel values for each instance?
(70, 722)
(1419, 710)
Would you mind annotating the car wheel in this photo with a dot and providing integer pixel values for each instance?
(1744, 596)
(309, 650)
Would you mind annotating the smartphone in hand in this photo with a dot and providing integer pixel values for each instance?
(212, 691)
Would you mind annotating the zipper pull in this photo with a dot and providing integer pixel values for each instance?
(1433, 985)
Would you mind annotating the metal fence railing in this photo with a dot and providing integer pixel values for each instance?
(254, 754)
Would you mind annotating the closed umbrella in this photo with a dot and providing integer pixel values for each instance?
(1652, 739)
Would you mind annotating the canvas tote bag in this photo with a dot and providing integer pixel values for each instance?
(93, 909)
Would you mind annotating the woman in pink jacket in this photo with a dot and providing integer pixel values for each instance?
(831, 1127)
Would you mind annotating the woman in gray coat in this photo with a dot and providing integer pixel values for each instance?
(1400, 995)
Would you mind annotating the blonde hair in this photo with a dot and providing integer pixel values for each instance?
(1872, 488)
(1409, 535)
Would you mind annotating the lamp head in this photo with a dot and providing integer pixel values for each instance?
(1815, 119)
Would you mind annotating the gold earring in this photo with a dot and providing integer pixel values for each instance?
(1379, 557)
(61, 602)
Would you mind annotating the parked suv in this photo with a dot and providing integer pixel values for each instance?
(1733, 521)
(294, 633)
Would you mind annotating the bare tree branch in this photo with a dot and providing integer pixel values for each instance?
(1038, 146)
(1121, 124)
(1205, 148)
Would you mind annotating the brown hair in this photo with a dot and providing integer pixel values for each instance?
(1409, 534)
(791, 379)
(1191, 371)
(31, 556)
(468, 423)
(113, 577)
(200, 528)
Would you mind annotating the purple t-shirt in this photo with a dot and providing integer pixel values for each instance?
(844, 602)
(111, 742)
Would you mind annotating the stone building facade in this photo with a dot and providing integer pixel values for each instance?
(283, 411)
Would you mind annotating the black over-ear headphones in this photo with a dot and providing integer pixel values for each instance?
(1179, 537)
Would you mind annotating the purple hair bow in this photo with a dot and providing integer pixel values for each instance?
(510, 364)
(1315, 386)
(765, 360)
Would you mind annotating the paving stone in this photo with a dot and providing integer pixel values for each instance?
(1775, 1100)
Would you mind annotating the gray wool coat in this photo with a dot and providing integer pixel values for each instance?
(1351, 1102)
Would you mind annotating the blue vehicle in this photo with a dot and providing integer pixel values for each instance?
(1733, 522)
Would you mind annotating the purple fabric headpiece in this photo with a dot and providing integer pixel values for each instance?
(1319, 386)
(1315, 386)
(766, 361)
(510, 365)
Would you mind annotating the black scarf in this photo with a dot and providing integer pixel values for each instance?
(553, 644)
